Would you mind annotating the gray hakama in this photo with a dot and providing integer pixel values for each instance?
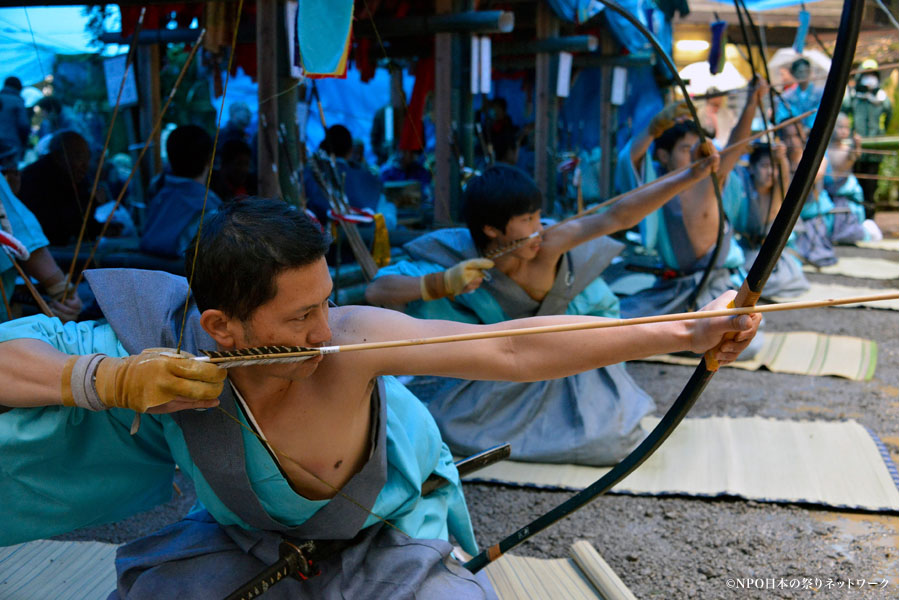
(590, 418)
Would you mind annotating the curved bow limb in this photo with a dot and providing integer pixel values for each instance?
(756, 279)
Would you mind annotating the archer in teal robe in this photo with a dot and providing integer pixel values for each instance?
(65, 468)
(591, 418)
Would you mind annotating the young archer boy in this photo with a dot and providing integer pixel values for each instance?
(331, 449)
(685, 229)
(592, 417)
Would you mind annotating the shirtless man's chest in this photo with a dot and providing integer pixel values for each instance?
(536, 276)
(319, 428)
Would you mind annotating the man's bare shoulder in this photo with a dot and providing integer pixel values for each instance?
(357, 324)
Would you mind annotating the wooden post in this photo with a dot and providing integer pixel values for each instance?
(267, 82)
(607, 114)
(156, 165)
(288, 151)
(446, 165)
(462, 54)
(546, 109)
(398, 104)
(145, 107)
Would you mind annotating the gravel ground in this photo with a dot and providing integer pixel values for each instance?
(678, 547)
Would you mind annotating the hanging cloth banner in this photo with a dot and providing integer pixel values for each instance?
(717, 46)
(323, 37)
(481, 64)
(802, 30)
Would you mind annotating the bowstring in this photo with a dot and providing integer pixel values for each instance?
(129, 60)
(337, 491)
(37, 297)
(209, 174)
(153, 132)
(384, 53)
(306, 471)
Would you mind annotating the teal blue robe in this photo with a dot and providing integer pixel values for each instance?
(65, 468)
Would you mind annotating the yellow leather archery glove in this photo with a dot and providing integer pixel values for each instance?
(667, 117)
(454, 280)
(139, 382)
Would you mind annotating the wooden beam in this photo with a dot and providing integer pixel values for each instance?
(472, 21)
(567, 43)
(639, 59)
(267, 88)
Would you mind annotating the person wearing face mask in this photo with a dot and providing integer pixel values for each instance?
(558, 272)
(870, 111)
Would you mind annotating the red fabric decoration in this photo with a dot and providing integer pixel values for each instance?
(413, 135)
(362, 55)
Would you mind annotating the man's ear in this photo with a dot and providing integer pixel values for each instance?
(492, 232)
(221, 328)
(662, 156)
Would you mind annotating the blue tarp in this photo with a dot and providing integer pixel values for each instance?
(760, 5)
(575, 11)
(347, 102)
(56, 30)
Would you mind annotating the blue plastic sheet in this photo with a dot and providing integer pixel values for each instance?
(760, 5)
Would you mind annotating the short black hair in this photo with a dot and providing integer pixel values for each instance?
(797, 63)
(189, 148)
(244, 247)
(673, 134)
(338, 141)
(758, 152)
(234, 148)
(13, 82)
(49, 104)
(66, 141)
(496, 196)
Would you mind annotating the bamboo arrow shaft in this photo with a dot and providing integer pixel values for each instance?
(604, 324)
(137, 163)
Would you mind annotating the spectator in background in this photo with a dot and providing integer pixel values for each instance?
(56, 117)
(362, 188)
(14, 125)
(847, 222)
(56, 188)
(805, 96)
(239, 117)
(9, 167)
(870, 110)
(787, 80)
(173, 214)
(18, 221)
(234, 180)
(501, 133)
(406, 165)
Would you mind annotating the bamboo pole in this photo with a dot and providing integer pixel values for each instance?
(262, 356)
(42, 304)
(137, 163)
